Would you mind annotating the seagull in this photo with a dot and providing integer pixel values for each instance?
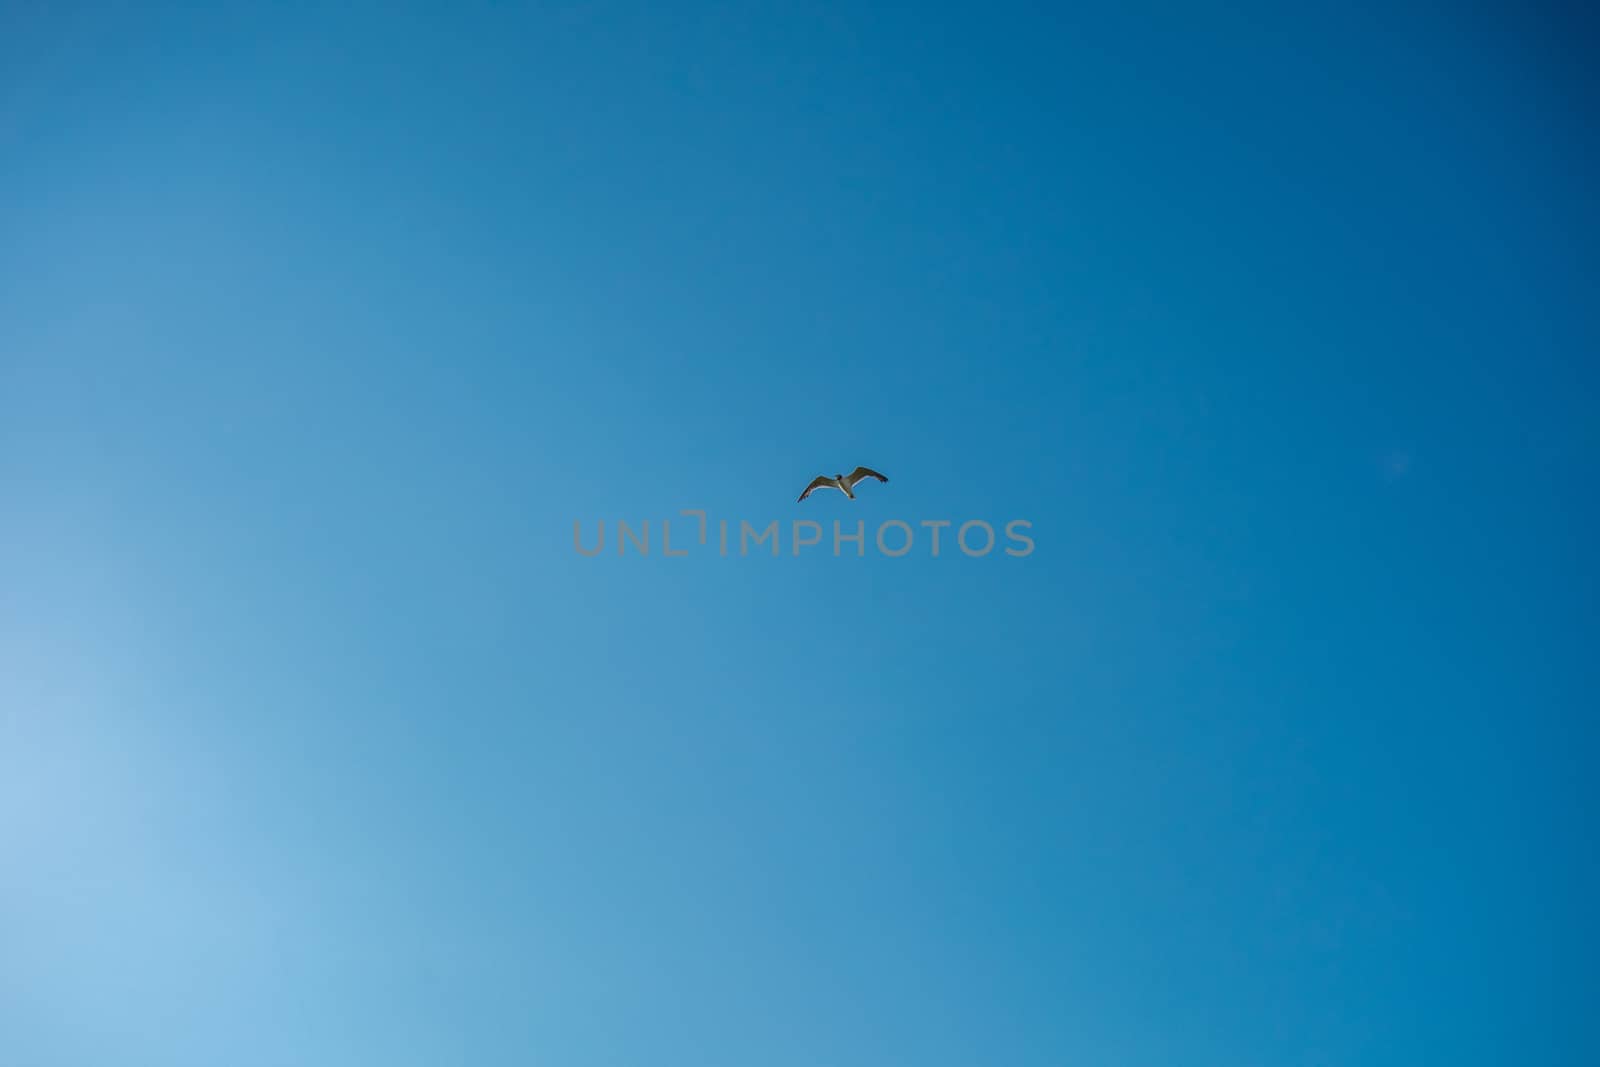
(843, 483)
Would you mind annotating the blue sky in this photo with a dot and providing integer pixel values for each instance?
(319, 329)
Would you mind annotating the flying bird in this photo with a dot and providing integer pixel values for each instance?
(845, 483)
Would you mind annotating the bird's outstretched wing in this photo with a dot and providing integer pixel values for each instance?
(860, 473)
(822, 482)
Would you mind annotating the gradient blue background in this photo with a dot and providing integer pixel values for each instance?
(320, 327)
